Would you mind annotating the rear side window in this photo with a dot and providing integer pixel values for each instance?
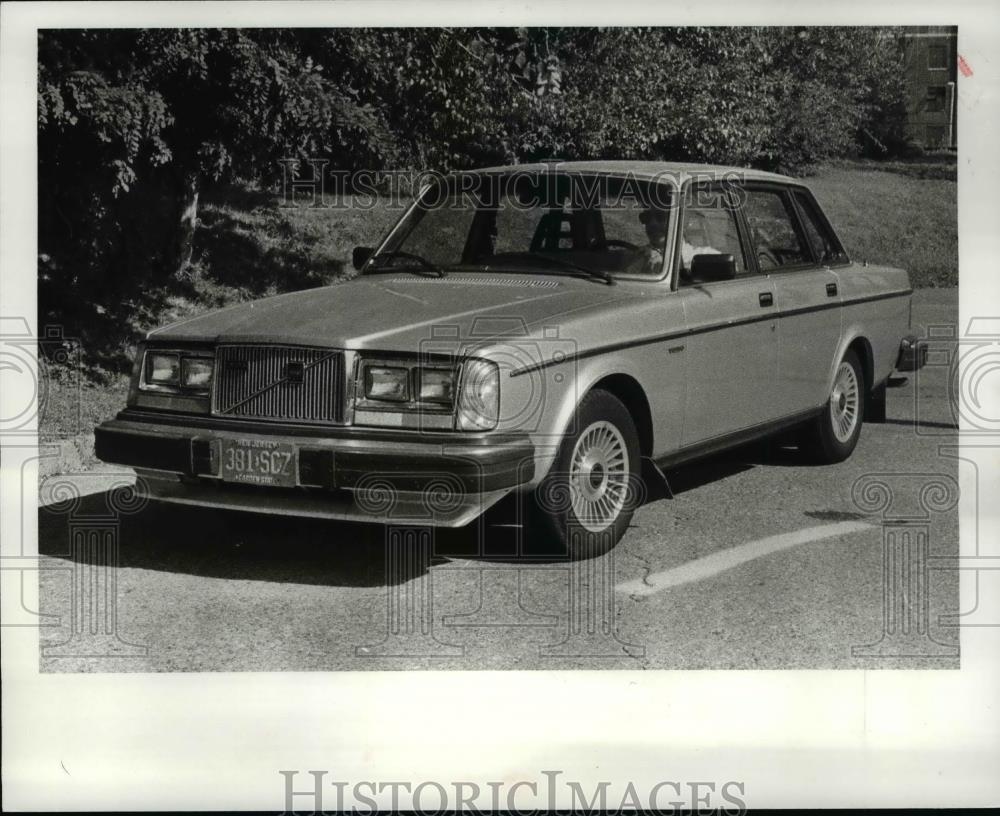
(825, 246)
(774, 230)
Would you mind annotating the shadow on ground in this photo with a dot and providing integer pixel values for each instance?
(253, 547)
(223, 544)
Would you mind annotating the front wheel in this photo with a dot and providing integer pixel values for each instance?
(585, 503)
(834, 433)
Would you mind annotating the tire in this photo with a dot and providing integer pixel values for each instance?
(584, 505)
(833, 435)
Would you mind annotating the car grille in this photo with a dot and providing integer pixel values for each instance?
(280, 382)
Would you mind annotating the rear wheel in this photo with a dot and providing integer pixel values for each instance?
(834, 433)
(584, 505)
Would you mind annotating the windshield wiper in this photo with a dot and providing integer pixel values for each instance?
(575, 267)
(399, 253)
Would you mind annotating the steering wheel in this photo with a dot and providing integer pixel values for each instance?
(628, 245)
(770, 260)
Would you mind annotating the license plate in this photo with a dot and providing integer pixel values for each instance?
(258, 461)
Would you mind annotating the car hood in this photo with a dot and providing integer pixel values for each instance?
(396, 312)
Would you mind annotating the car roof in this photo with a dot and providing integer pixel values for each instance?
(679, 171)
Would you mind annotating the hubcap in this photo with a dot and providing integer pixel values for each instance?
(845, 402)
(598, 476)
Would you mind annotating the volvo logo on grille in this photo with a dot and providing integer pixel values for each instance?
(294, 372)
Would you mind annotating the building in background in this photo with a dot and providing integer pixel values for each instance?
(931, 55)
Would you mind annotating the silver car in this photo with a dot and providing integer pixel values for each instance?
(562, 332)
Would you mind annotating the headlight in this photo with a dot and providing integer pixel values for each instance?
(162, 369)
(479, 400)
(177, 372)
(196, 372)
(385, 383)
(436, 385)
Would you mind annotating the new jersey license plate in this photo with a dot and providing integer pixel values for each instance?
(258, 461)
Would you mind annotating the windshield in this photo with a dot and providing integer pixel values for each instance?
(534, 223)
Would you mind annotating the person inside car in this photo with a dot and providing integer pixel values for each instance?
(654, 220)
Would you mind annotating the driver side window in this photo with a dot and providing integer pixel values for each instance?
(709, 227)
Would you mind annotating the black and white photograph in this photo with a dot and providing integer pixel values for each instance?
(533, 361)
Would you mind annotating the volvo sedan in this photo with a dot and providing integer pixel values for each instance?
(558, 333)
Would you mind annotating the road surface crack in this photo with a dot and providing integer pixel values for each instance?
(647, 570)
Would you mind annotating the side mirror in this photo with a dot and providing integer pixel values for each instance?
(360, 256)
(708, 268)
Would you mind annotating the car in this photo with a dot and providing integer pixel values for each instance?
(558, 334)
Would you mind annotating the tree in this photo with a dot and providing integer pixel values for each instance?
(132, 124)
(455, 98)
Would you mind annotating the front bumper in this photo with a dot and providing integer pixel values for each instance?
(912, 354)
(349, 474)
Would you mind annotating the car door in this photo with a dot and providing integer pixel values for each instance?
(731, 345)
(788, 249)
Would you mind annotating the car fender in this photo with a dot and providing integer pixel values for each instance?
(558, 417)
(875, 306)
(847, 339)
(881, 333)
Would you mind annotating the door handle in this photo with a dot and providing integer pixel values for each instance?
(831, 289)
(766, 299)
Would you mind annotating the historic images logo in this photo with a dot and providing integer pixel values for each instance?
(551, 793)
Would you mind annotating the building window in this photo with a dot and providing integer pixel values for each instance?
(935, 136)
(935, 99)
(937, 57)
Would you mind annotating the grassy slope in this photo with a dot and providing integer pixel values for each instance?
(248, 247)
(74, 405)
(894, 219)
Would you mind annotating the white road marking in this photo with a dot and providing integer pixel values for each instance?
(717, 562)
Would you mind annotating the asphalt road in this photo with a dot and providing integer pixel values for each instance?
(759, 562)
